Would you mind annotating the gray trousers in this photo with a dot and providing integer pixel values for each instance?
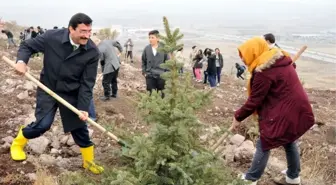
(261, 157)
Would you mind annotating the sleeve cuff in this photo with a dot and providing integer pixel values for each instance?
(238, 116)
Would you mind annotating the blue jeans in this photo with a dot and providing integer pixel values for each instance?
(92, 111)
(261, 157)
(11, 42)
(212, 80)
(219, 72)
(36, 129)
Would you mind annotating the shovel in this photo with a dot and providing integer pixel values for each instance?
(68, 105)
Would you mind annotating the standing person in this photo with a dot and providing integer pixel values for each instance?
(219, 65)
(27, 34)
(39, 30)
(205, 62)
(129, 49)
(10, 38)
(211, 68)
(33, 32)
(277, 97)
(151, 61)
(180, 58)
(110, 63)
(21, 37)
(192, 55)
(198, 65)
(70, 69)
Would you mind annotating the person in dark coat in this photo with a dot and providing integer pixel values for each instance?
(198, 65)
(33, 32)
(240, 70)
(40, 31)
(211, 69)
(10, 38)
(151, 61)
(278, 98)
(69, 69)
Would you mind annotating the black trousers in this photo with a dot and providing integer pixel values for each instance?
(129, 54)
(36, 129)
(155, 83)
(110, 82)
(193, 69)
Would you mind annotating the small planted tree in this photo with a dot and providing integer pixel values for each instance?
(107, 33)
(171, 154)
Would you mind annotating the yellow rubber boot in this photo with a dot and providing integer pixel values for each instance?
(16, 149)
(88, 157)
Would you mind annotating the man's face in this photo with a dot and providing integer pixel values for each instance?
(81, 34)
(153, 39)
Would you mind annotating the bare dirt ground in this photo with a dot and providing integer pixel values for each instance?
(317, 146)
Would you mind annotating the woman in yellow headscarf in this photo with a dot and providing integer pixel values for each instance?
(278, 98)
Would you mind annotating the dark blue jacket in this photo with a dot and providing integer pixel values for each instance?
(70, 74)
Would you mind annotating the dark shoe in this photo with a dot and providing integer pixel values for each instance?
(113, 96)
(105, 98)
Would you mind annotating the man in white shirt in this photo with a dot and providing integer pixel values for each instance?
(151, 61)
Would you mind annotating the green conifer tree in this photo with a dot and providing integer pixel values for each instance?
(171, 154)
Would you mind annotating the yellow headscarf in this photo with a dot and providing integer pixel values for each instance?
(256, 52)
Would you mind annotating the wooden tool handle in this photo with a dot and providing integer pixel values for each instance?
(299, 53)
(61, 100)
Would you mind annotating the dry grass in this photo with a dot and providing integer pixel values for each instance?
(318, 165)
(43, 177)
(36, 63)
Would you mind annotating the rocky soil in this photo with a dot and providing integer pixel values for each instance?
(57, 152)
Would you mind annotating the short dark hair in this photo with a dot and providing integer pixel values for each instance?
(79, 18)
(38, 27)
(207, 51)
(217, 49)
(270, 38)
(193, 47)
(154, 32)
(55, 27)
(3, 31)
(31, 27)
(180, 49)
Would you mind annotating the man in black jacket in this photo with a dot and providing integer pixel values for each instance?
(70, 69)
(151, 61)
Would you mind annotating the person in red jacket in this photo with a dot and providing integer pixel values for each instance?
(277, 97)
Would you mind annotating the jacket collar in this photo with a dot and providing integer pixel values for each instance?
(66, 39)
(277, 60)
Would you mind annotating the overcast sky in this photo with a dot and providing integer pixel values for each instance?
(48, 13)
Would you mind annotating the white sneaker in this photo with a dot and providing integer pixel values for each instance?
(218, 84)
(251, 182)
(284, 172)
(284, 180)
